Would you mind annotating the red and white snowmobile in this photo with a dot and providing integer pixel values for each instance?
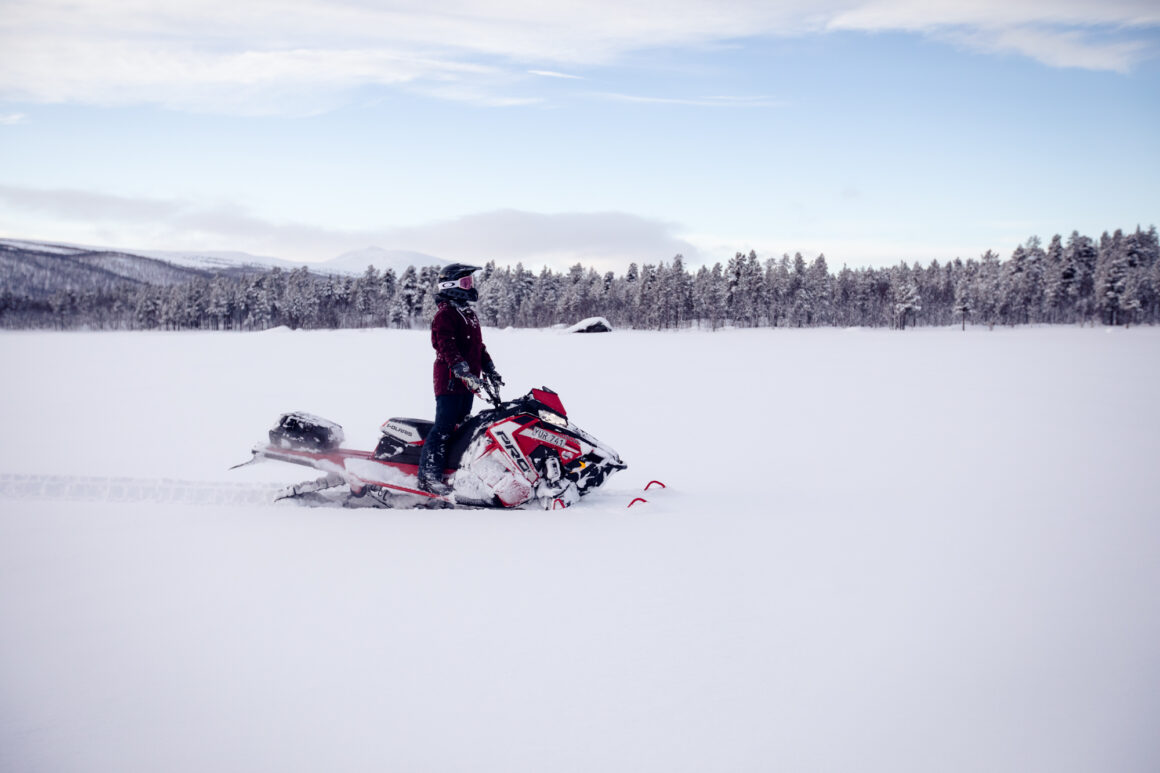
(520, 451)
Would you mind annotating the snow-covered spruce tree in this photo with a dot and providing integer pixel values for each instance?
(300, 304)
(963, 299)
(753, 284)
(1055, 281)
(644, 304)
(220, 303)
(1016, 288)
(843, 298)
(428, 305)
(1139, 255)
(936, 285)
(988, 282)
(545, 299)
(1034, 292)
(367, 299)
(574, 294)
(147, 313)
(495, 302)
(820, 286)
(263, 302)
(1154, 274)
(523, 285)
(344, 295)
(1112, 277)
(329, 306)
(675, 294)
(801, 304)
(407, 299)
(1144, 254)
(776, 282)
(709, 296)
(1079, 259)
(387, 285)
(607, 294)
(733, 291)
(907, 301)
(744, 290)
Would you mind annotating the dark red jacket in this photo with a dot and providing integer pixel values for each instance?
(456, 336)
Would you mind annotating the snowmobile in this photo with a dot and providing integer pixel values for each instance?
(516, 452)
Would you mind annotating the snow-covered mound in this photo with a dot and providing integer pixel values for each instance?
(591, 325)
(892, 551)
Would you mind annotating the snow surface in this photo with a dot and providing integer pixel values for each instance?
(879, 551)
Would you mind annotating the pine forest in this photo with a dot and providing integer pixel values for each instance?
(1114, 280)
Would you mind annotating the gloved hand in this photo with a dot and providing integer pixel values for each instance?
(492, 375)
(464, 374)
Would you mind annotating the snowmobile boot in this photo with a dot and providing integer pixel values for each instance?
(434, 486)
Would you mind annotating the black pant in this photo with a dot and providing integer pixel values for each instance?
(450, 410)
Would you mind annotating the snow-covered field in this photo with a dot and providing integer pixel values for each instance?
(879, 551)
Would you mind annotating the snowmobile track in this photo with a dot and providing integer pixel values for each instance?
(73, 488)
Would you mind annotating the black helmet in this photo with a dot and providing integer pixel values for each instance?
(456, 283)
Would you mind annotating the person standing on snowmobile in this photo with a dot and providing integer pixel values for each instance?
(461, 365)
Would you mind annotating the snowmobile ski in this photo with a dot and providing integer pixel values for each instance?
(647, 486)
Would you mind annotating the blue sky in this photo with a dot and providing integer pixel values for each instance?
(607, 132)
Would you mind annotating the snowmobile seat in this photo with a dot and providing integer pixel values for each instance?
(402, 439)
(409, 430)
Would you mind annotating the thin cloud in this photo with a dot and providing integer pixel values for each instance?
(915, 16)
(11, 119)
(694, 101)
(303, 56)
(552, 74)
(1055, 48)
(1057, 33)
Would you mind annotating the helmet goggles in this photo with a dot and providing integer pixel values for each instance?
(463, 283)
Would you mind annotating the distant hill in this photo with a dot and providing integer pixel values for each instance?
(36, 270)
(40, 269)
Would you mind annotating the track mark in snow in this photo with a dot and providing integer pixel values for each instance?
(94, 489)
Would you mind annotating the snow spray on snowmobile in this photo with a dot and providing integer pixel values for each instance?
(514, 453)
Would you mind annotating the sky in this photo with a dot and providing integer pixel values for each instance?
(602, 131)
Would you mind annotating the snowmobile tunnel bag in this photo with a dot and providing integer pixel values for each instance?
(302, 430)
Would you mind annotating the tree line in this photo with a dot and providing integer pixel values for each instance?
(1113, 281)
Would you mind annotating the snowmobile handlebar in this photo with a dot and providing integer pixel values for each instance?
(482, 387)
(491, 393)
